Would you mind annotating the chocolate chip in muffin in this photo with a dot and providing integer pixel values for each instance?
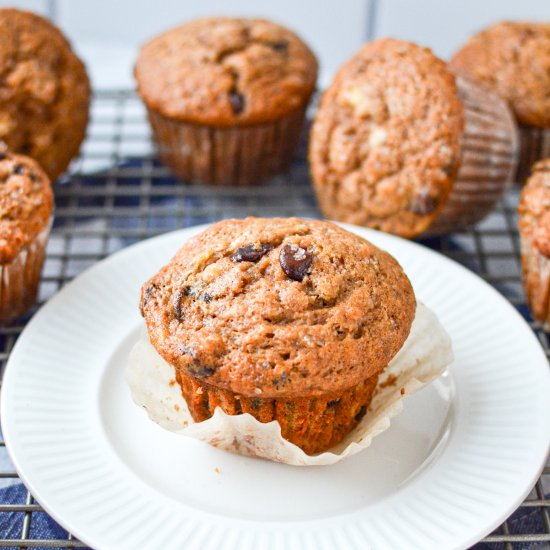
(280, 47)
(237, 101)
(201, 371)
(250, 253)
(19, 169)
(176, 305)
(295, 261)
(362, 412)
(423, 203)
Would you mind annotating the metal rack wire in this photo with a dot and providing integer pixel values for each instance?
(118, 193)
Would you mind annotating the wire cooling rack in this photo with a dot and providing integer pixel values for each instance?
(118, 193)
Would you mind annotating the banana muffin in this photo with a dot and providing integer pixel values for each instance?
(226, 98)
(513, 60)
(285, 319)
(26, 205)
(399, 144)
(534, 228)
(44, 91)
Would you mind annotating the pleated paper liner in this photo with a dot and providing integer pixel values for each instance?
(20, 278)
(489, 159)
(240, 155)
(424, 356)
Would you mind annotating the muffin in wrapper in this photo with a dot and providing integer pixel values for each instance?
(26, 207)
(401, 145)
(511, 59)
(226, 98)
(424, 356)
(534, 229)
(20, 278)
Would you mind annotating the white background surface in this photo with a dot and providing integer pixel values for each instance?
(107, 33)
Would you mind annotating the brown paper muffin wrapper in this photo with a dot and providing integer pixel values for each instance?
(424, 356)
(241, 155)
(20, 278)
(536, 281)
(534, 146)
(490, 149)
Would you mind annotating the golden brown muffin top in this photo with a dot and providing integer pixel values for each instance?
(534, 207)
(26, 203)
(385, 145)
(279, 307)
(512, 59)
(44, 91)
(224, 72)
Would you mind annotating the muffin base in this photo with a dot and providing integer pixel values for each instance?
(242, 156)
(20, 278)
(489, 159)
(534, 146)
(536, 281)
(313, 424)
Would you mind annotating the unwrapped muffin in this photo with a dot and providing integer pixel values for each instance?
(513, 60)
(285, 319)
(226, 98)
(26, 206)
(44, 91)
(400, 145)
(534, 228)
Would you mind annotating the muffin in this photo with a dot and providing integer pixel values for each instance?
(534, 229)
(513, 60)
(400, 144)
(44, 91)
(26, 206)
(226, 98)
(285, 319)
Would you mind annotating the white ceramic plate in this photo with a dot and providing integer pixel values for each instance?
(459, 459)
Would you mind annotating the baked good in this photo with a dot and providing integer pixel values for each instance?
(44, 91)
(226, 98)
(400, 145)
(513, 60)
(534, 228)
(26, 206)
(286, 319)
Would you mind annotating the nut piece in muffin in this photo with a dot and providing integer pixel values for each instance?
(534, 228)
(44, 91)
(400, 145)
(226, 97)
(513, 60)
(26, 205)
(285, 319)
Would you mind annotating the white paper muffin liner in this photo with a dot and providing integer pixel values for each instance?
(424, 356)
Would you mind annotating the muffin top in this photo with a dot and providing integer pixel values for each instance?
(534, 207)
(279, 307)
(26, 203)
(385, 145)
(512, 59)
(225, 72)
(44, 91)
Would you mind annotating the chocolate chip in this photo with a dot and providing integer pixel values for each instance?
(146, 296)
(237, 101)
(423, 203)
(200, 371)
(34, 177)
(280, 46)
(176, 304)
(2, 155)
(295, 261)
(250, 253)
(256, 404)
(19, 169)
(362, 412)
(205, 297)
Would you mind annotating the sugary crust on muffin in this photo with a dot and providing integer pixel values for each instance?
(534, 208)
(513, 59)
(385, 145)
(224, 72)
(44, 91)
(255, 329)
(26, 203)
